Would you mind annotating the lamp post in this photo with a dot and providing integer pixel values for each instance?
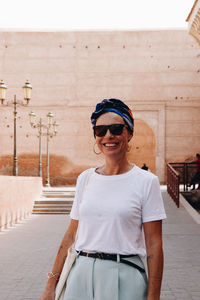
(41, 127)
(27, 96)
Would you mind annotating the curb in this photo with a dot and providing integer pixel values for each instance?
(193, 213)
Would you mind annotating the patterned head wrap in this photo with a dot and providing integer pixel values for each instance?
(117, 106)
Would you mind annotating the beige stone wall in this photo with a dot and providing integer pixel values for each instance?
(156, 72)
(17, 196)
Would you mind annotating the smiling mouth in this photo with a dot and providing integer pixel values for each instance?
(110, 145)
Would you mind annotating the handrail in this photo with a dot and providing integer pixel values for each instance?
(179, 176)
(173, 180)
(169, 164)
(185, 170)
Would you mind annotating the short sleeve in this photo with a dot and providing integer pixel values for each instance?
(153, 207)
(74, 214)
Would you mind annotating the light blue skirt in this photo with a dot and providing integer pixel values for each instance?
(96, 279)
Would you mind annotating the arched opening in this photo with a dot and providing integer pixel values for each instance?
(143, 146)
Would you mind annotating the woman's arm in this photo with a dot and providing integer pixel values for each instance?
(66, 243)
(153, 239)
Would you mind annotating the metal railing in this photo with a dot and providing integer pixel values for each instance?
(173, 180)
(179, 176)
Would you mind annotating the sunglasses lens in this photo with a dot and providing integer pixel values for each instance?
(116, 129)
(100, 130)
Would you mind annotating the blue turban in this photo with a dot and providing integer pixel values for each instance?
(117, 106)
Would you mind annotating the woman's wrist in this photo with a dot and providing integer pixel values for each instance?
(51, 284)
(52, 280)
(54, 276)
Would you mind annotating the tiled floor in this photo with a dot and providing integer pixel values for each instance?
(27, 253)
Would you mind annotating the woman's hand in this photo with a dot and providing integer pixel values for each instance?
(48, 294)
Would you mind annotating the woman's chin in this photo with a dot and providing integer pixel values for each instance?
(108, 151)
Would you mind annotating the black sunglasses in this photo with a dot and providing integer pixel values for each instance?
(115, 129)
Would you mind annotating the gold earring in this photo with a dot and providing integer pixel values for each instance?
(128, 148)
(94, 149)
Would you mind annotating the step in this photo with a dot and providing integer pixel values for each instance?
(51, 209)
(60, 190)
(54, 202)
(52, 206)
(55, 209)
(60, 193)
(66, 212)
(57, 197)
(50, 213)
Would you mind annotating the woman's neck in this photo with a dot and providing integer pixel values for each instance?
(113, 167)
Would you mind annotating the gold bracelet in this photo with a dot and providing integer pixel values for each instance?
(53, 275)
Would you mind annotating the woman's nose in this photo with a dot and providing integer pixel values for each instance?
(108, 133)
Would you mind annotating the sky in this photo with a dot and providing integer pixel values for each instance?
(94, 14)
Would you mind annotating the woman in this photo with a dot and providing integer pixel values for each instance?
(119, 201)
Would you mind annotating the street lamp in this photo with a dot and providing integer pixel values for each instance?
(27, 96)
(50, 123)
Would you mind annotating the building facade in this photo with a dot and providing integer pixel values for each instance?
(157, 73)
(193, 20)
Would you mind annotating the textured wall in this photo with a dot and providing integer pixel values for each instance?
(16, 200)
(156, 72)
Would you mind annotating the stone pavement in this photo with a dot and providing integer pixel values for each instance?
(27, 253)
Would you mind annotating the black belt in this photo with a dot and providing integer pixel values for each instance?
(113, 257)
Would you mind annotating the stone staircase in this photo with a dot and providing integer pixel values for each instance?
(54, 201)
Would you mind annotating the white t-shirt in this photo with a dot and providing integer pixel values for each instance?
(112, 208)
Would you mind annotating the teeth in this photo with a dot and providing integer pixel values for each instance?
(110, 145)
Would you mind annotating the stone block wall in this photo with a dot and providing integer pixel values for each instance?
(17, 195)
(156, 73)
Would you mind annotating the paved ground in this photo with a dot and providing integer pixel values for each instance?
(27, 253)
